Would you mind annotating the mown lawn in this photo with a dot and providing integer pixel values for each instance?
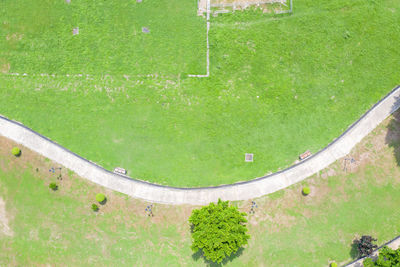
(279, 85)
(37, 37)
(288, 229)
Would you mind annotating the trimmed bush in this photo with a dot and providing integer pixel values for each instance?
(100, 197)
(306, 190)
(53, 186)
(333, 264)
(95, 207)
(16, 151)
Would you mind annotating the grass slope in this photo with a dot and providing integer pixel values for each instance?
(287, 229)
(279, 86)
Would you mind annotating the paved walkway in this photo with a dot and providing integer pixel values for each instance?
(239, 191)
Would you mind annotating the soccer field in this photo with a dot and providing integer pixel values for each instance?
(279, 85)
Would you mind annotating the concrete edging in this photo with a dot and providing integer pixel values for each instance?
(203, 195)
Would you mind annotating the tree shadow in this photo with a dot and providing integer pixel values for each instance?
(393, 133)
(200, 254)
(354, 250)
(103, 202)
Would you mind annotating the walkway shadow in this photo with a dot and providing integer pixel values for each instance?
(199, 254)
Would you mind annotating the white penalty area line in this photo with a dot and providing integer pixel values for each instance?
(139, 75)
(87, 76)
(208, 45)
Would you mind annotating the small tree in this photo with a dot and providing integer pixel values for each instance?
(306, 191)
(95, 207)
(100, 197)
(16, 151)
(387, 258)
(53, 186)
(218, 230)
(365, 245)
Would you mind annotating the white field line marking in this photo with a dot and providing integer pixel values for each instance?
(85, 75)
(208, 45)
(139, 75)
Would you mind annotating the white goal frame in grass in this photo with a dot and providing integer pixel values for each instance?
(208, 12)
(209, 5)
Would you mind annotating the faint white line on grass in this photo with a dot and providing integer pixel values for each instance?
(208, 45)
(85, 75)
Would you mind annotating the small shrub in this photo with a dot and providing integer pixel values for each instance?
(53, 186)
(306, 191)
(333, 264)
(95, 207)
(16, 151)
(100, 197)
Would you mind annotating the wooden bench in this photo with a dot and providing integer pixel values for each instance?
(305, 155)
(120, 170)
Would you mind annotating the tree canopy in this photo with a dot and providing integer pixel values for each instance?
(218, 230)
(365, 245)
(387, 258)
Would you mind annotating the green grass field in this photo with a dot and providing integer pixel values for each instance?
(279, 85)
(288, 229)
(110, 38)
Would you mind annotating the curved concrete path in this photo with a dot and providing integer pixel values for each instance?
(238, 191)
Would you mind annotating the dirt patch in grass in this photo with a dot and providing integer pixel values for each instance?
(14, 37)
(237, 2)
(4, 220)
(4, 66)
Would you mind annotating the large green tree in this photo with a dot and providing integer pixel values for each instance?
(218, 230)
(387, 258)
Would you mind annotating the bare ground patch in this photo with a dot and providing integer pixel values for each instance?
(267, 6)
(4, 66)
(4, 220)
(14, 37)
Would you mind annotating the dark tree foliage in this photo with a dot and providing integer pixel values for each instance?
(365, 245)
(218, 230)
(387, 258)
